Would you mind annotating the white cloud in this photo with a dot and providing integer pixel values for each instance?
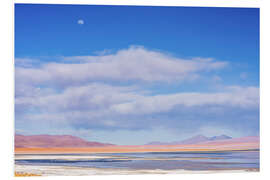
(235, 97)
(107, 103)
(91, 97)
(133, 64)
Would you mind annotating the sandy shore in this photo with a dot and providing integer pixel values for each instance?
(78, 171)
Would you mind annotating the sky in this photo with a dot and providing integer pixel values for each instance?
(136, 74)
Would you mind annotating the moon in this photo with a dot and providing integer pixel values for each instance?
(80, 21)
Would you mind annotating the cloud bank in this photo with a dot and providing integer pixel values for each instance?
(114, 91)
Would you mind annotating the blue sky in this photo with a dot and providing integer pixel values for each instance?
(130, 75)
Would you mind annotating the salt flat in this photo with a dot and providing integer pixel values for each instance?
(78, 171)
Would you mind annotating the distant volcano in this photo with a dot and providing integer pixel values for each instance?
(221, 137)
(193, 140)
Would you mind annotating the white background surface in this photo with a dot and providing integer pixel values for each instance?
(7, 85)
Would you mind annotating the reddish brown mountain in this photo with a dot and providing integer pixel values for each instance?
(46, 141)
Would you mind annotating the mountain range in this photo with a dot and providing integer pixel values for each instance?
(68, 141)
(193, 140)
(46, 141)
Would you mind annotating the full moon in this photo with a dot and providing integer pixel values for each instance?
(80, 21)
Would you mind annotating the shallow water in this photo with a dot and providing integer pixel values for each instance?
(147, 161)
